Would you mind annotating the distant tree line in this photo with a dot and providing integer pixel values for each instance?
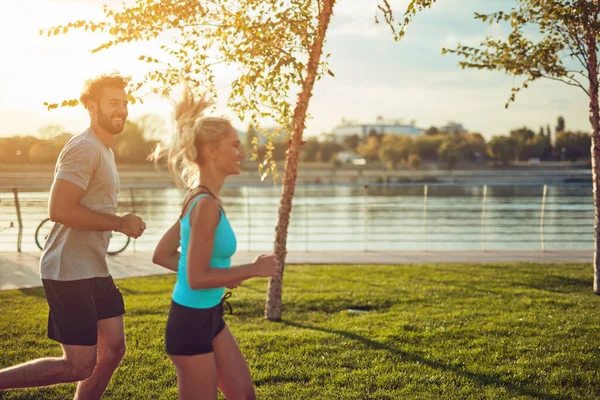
(447, 149)
(133, 145)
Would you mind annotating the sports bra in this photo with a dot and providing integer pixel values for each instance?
(224, 247)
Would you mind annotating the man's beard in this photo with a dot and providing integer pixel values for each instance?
(105, 122)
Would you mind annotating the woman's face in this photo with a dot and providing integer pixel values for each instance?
(229, 154)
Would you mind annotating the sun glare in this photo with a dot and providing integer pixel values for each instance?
(38, 69)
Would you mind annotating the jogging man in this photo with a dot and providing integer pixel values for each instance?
(86, 308)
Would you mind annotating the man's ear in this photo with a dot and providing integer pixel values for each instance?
(91, 106)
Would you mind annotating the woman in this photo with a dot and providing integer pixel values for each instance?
(205, 151)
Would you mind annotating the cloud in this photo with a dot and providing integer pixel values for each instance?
(357, 18)
(452, 38)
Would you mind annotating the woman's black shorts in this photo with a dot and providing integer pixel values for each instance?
(190, 331)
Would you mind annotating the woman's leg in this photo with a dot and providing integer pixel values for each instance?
(196, 376)
(233, 373)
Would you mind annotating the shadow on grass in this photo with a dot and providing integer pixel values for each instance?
(282, 378)
(34, 292)
(483, 379)
(144, 312)
(129, 291)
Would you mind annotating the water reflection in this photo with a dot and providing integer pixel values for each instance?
(326, 217)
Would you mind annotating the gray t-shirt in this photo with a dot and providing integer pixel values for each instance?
(71, 254)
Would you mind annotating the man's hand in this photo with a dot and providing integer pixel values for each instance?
(132, 226)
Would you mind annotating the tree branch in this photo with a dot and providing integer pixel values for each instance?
(582, 49)
(577, 55)
(577, 84)
(579, 72)
(298, 70)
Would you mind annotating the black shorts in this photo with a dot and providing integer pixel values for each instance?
(77, 306)
(190, 331)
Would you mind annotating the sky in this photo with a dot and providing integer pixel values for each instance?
(375, 76)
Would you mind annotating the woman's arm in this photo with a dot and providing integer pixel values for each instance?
(166, 253)
(204, 221)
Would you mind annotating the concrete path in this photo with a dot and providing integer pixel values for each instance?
(21, 270)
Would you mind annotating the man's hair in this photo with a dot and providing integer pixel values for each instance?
(92, 89)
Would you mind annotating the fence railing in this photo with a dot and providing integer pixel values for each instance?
(354, 217)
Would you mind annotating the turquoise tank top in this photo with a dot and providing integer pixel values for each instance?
(224, 247)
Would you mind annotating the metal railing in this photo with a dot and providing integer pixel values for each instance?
(355, 217)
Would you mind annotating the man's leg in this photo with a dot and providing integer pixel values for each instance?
(111, 349)
(77, 363)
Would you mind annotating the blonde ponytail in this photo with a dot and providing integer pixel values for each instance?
(193, 131)
(182, 154)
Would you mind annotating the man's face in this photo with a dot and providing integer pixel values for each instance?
(112, 110)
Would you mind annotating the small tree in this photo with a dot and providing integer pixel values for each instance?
(427, 146)
(560, 125)
(414, 161)
(503, 149)
(449, 153)
(522, 136)
(535, 147)
(350, 143)
(395, 150)
(369, 150)
(567, 30)
(471, 146)
(432, 131)
(575, 145)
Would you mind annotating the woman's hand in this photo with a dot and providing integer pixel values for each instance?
(233, 285)
(266, 265)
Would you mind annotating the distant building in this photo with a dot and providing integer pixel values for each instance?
(381, 126)
(453, 127)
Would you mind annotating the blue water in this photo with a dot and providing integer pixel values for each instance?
(449, 217)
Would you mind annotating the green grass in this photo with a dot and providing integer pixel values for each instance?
(519, 331)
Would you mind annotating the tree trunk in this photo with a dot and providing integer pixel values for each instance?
(273, 305)
(591, 44)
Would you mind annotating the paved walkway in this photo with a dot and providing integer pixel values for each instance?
(21, 270)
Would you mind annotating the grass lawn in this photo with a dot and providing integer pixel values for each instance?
(511, 331)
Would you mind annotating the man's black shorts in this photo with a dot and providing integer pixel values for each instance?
(77, 306)
(190, 331)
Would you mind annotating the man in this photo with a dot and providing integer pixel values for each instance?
(86, 308)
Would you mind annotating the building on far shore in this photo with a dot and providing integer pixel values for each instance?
(380, 126)
(453, 127)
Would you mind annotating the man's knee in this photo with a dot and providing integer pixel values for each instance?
(114, 353)
(81, 367)
(250, 395)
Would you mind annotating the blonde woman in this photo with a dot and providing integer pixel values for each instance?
(204, 152)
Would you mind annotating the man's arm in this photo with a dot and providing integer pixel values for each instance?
(64, 207)
(167, 251)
